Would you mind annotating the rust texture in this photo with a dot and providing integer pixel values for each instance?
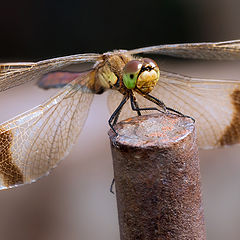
(157, 175)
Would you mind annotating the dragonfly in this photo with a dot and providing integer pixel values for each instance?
(33, 143)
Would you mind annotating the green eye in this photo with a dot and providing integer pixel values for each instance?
(129, 80)
(130, 73)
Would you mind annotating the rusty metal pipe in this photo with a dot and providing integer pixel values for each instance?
(157, 175)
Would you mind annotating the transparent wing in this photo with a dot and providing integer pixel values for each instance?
(214, 104)
(33, 143)
(14, 74)
(229, 50)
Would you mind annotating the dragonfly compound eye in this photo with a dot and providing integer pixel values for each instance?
(130, 73)
(148, 76)
(150, 62)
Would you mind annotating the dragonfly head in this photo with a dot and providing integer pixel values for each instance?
(142, 74)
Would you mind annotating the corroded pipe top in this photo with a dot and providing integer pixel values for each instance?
(154, 129)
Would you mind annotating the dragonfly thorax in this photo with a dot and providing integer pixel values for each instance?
(109, 72)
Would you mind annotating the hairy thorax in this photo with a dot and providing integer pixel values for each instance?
(109, 72)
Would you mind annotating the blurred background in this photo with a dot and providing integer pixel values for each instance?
(74, 201)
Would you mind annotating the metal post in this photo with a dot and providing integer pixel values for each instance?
(157, 175)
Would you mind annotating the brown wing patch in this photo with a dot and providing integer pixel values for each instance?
(10, 173)
(232, 132)
(59, 79)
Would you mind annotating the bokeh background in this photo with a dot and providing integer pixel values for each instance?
(74, 201)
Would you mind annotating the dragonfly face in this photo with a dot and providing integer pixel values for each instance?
(33, 143)
(141, 74)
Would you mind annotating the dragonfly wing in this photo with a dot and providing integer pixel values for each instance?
(229, 50)
(214, 104)
(14, 74)
(58, 79)
(34, 142)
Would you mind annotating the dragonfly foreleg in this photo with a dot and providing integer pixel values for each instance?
(113, 119)
(135, 105)
(117, 116)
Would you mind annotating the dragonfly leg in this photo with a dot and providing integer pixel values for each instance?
(116, 118)
(117, 115)
(156, 101)
(136, 108)
(180, 114)
(113, 119)
(161, 104)
(111, 187)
